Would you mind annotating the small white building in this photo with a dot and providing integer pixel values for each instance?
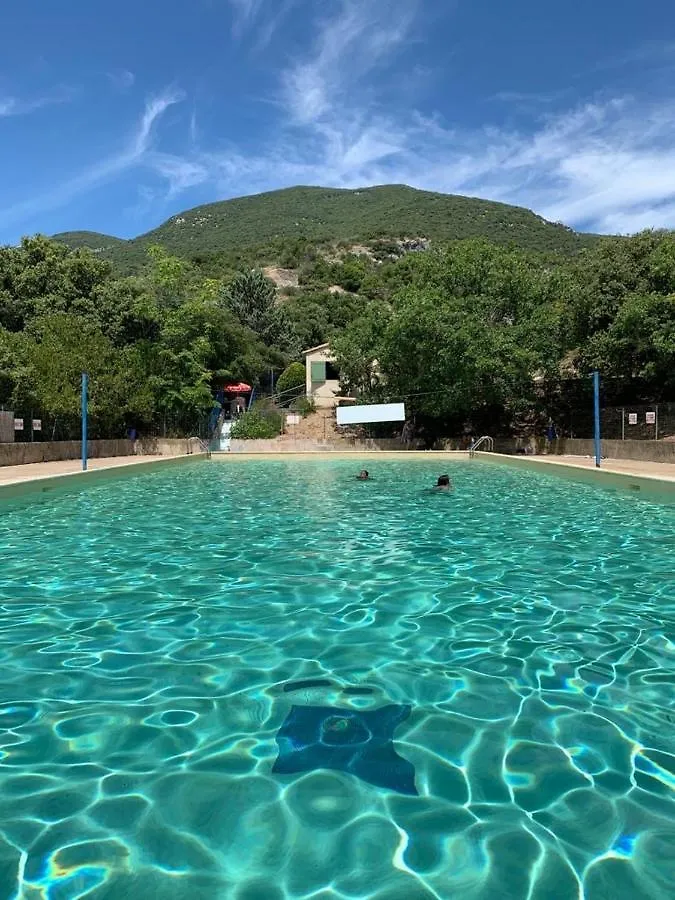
(322, 376)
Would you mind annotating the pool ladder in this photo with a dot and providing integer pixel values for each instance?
(203, 445)
(485, 440)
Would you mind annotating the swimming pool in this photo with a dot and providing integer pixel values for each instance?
(165, 640)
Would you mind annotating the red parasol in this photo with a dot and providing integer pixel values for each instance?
(240, 388)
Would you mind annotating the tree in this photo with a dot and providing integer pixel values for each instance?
(639, 343)
(251, 297)
(358, 348)
(292, 381)
(52, 354)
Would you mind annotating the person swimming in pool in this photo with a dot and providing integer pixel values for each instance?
(363, 475)
(443, 483)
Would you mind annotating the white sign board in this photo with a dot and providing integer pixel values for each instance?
(651, 418)
(37, 424)
(376, 412)
(292, 419)
(632, 418)
(18, 424)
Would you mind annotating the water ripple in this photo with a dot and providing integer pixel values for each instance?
(154, 634)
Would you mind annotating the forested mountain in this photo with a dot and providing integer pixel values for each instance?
(327, 215)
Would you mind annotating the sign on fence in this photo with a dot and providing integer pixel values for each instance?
(375, 412)
(18, 424)
(292, 419)
(650, 418)
(632, 418)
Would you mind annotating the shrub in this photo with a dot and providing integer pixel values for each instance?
(256, 425)
(292, 380)
(304, 405)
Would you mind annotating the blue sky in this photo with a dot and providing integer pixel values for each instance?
(113, 117)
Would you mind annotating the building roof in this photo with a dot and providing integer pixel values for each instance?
(313, 349)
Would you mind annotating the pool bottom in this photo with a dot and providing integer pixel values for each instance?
(156, 633)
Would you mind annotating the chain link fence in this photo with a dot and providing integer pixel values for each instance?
(626, 411)
(22, 425)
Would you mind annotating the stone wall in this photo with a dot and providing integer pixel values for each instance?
(650, 451)
(647, 451)
(17, 454)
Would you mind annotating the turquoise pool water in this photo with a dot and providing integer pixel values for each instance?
(153, 632)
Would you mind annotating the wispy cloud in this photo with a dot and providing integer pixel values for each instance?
(122, 79)
(606, 165)
(261, 18)
(348, 47)
(17, 106)
(245, 13)
(136, 152)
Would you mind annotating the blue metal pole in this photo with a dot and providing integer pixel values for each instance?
(596, 406)
(85, 391)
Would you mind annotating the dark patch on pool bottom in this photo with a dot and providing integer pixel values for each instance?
(360, 743)
(308, 683)
(357, 691)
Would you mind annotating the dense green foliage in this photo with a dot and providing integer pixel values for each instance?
(473, 335)
(155, 347)
(257, 424)
(315, 215)
(478, 337)
(291, 383)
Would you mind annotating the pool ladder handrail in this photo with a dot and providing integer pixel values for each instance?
(203, 445)
(485, 439)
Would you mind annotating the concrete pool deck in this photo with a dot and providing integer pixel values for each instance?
(17, 482)
(32, 471)
(662, 471)
(16, 474)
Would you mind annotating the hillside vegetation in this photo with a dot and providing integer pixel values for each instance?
(324, 215)
(472, 335)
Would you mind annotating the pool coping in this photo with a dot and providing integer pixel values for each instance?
(81, 480)
(646, 485)
(651, 486)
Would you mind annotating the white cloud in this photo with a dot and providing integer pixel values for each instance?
(603, 166)
(261, 17)
(136, 152)
(122, 79)
(15, 106)
(245, 13)
(606, 165)
(178, 172)
(348, 47)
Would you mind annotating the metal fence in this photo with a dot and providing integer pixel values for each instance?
(643, 422)
(627, 411)
(28, 425)
(20, 425)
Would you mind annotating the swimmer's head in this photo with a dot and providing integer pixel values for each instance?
(363, 475)
(443, 481)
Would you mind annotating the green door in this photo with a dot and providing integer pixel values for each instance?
(318, 371)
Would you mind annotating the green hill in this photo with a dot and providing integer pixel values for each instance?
(326, 214)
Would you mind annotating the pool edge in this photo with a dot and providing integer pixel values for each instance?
(649, 486)
(81, 480)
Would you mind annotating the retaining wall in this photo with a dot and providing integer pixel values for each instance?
(648, 451)
(17, 454)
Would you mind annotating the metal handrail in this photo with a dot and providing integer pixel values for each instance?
(203, 445)
(485, 439)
